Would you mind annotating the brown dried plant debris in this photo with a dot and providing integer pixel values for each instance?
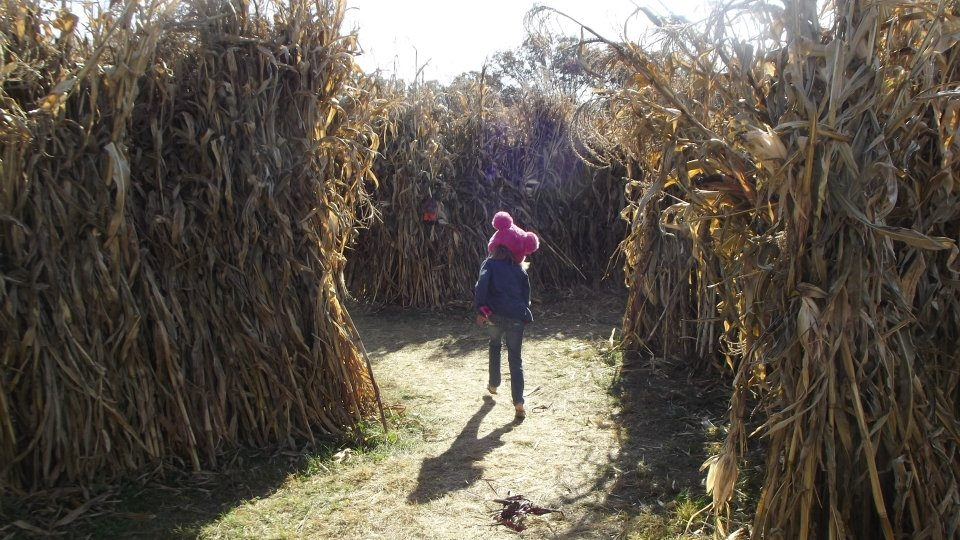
(515, 509)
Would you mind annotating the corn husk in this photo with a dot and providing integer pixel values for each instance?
(800, 185)
(176, 196)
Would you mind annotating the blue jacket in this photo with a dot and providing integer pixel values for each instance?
(504, 287)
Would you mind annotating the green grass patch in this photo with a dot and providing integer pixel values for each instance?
(228, 504)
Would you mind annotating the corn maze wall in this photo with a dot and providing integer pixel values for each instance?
(809, 178)
(472, 154)
(179, 181)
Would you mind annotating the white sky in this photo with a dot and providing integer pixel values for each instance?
(456, 36)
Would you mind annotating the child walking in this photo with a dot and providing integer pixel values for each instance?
(502, 301)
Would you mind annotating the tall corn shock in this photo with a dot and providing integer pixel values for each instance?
(178, 188)
(815, 174)
(473, 154)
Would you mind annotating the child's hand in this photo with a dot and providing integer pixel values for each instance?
(484, 316)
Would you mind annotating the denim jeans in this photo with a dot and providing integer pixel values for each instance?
(504, 329)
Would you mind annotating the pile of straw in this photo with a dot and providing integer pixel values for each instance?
(810, 179)
(179, 183)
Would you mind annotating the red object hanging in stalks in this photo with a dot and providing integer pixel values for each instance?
(428, 211)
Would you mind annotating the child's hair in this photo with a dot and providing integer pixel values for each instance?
(501, 252)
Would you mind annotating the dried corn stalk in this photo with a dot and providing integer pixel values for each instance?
(473, 153)
(814, 171)
(177, 197)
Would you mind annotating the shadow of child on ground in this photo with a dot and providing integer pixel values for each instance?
(456, 468)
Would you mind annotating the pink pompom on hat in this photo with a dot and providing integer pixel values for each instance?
(520, 243)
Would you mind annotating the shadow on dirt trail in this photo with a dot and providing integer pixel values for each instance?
(576, 314)
(666, 423)
(387, 329)
(665, 413)
(175, 506)
(457, 467)
(668, 420)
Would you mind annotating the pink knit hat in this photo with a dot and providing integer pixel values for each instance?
(520, 243)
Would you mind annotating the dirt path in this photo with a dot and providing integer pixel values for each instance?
(473, 451)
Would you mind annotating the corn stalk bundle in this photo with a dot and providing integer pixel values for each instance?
(400, 258)
(527, 166)
(815, 175)
(671, 308)
(176, 199)
(574, 207)
(661, 314)
(476, 154)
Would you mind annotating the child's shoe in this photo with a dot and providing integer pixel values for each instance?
(521, 413)
(492, 389)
